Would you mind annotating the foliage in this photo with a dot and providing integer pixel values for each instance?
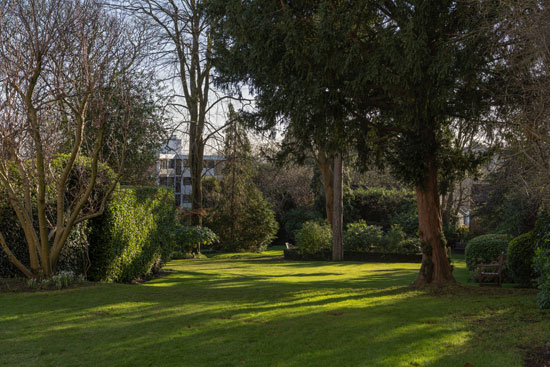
(508, 201)
(190, 239)
(63, 279)
(314, 237)
(541, 236)
(134, 237)
(242, 218)
(362, 237)
(519, 259)
(541, 264)
(485, 249)
(541, 233)
(74, 253)
(293, 220)
(359, 236)
(380, 206)
(410, 246)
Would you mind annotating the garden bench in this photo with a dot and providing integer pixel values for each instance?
(493, 271)
(289, 246)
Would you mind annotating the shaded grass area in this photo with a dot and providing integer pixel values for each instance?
(259, 310)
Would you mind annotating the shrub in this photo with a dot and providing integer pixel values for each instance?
(74, 254)
(410, 246)
(295, 218)
(519, 259)
(485, 249)
(73, 257)
(541, 261)
(248, 224)
(189, 239)
(541, 264)
(61, 280)
(314, 237)
(134, 237)
(359, 236)
(382, 207)
(392, 239)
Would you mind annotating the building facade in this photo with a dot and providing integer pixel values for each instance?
(173, 171)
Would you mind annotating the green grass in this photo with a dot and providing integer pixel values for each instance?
(259, 310)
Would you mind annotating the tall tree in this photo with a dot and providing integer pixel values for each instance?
(242, 218)
(433, 63)
(56, 59)
(292, 58)
(184, 45)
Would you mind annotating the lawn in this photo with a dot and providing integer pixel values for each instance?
(259, 310)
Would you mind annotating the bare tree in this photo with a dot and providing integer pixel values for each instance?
(526, 93)
(182, 34)
(56, 59)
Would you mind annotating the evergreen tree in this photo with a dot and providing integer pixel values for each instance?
(242, 218)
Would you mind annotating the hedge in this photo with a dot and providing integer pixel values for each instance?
(294, 254)
(485, 249)
(382, 207)
(135, 235)
(541, 236)
(519, 259)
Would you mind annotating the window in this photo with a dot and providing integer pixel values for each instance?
(178, 184)
(187, 181)
(186, 163)
(186, 198)
(172, 163)
(177, 199)
(163, 163)
(178, 166)
(163, 181)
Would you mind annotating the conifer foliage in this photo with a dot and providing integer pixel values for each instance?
(242, 218)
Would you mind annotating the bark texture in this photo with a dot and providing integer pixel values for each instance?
(436, 267)
(338, 213)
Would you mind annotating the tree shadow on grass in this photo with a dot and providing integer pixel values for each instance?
(290, 318)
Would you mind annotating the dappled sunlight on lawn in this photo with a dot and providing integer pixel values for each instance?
(263, 311)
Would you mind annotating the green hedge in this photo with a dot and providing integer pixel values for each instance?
(135, 236)
(519, 259)
(541, 236)
(485, 249)
(382, 207)
(314, 237)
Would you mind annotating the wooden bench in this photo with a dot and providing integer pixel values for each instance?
(491, 271)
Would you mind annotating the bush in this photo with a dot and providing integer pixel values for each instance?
(73, 257)
(314, 237)
(382, 207)
(359, 236)
(541, 261)
(541, 264)
(134, 237)
(74, 254)
(484, 249)
(247, 225)
(392, 239)
(189, 239)
(410, 246)
(295, 218)
(519, 259)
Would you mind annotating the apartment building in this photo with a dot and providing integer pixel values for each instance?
(173, 171)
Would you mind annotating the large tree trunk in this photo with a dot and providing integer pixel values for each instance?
(436, 267)
(327, 173)
(338, 213)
